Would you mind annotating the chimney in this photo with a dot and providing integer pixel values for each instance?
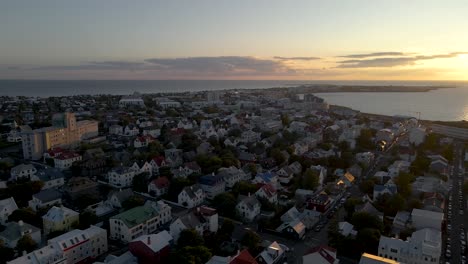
(20, 223)
(149, 240)
(248, 194)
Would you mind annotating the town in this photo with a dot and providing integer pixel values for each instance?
(217, 177)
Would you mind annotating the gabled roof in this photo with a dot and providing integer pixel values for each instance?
(161, 182)
(244, 257)
(323, 251)
(47, 195)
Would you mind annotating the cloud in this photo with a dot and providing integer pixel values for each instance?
(375, 54)
(98, 65)
(296, 58)
(393, 61)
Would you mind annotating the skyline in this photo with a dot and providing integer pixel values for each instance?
(275, 40)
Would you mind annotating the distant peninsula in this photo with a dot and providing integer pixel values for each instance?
(329, 88)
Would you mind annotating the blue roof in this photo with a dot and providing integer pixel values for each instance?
(210, 179)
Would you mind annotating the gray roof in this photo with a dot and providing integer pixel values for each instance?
(49, 173)
(48, 195)
(122, 195)
(191, 190)
(14, 230)
(249, 201)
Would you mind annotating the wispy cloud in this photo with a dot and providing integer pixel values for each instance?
(375, 54)
(296, 58)
(393, 61)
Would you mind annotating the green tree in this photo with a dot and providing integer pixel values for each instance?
(26, 243)
(310, 179)
(285, 120)
(6, 253)
(87, 218)
(251, 240)
(140, 182)
(244, 188)
(465, 187)
(369, 238)
(225, 204)
(189, 237)
(403, 182)
(133, 202)
(27, 215)
(350, 206)
(191, 255)
(364, 140)
(367, 186)
(362, 220)
(226, 229)
(277, 156)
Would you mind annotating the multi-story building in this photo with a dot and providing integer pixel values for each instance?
(121, 176)
(202, 219)
(424, 247)
(212, 185)
(59, 219)
(138, 221)
(65, 160)
(64, 132)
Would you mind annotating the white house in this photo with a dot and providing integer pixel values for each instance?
(272, 254)
(142, 141)
(59, 219)
(346, 229)
(51, 177)
(389, 188)
(131, 130)
(232, 175)
(202, 219)
(424, 247)
(159, 186)
(65, 160)
(45, 198)
(121, 176)
(191, 196)
(141, 220)
(14, 231)
(7, 207)
(116, 130)
(116, 198)
(248, 207)
(268, 192)
(212, 185)
(22, 171)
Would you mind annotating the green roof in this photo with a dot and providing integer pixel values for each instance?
(137, 215)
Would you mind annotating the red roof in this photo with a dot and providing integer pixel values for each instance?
(67, 155)
(54, 151)
(161, 182)
(269, 189)
(244, 257)
(322, 250)
(159, 160)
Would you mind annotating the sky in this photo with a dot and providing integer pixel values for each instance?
(242, 39)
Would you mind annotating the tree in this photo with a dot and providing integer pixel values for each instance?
(251, 240)
(133, 201)
(140, 182)
(367, 186)
(87, 218)
(191, 255)
(189, 237)
(465, 187)
(362, 220)
(369, 238)
(225, 204)
(403, 182)
(244, 188)
(365, 139)
(226, 229)
(310, 179)
(285, 120)
(277, 156)
(27, 215)
(6, 253)
(350, 206)
(26, 243)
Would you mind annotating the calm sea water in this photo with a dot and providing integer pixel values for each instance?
(442, 104)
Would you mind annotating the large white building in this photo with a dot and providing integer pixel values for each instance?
(69, 248)
(59, 219)
(424, 247)
(141, 220)
(132, 100)
(121, 176)
(64, 132)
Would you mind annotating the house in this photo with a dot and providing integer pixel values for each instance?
(389, 188)
(242, 257)
(355, 170)
(80, 245)
(45, 198)
(346, 229)
(424, 246)
(321, 172)
(152, 131)
(294, 229)
(142, 141)
(439, 166)
(367, 258)
(59, 219)
(121, 177)
(22, 171)
(320, 255)
(365, 157)
(131, 130)
(346, 180)
(157, 162)
(202, 219)
(173, 157)
(152, 248)
(191, 196)
(285, 175)
(417, 135)
(65, 160)
(116, 130)
(232, 175)
(268, 192)
(266, 178)
(247, 158)
(272, 254)
(81, 186)
(7, 207)
(212, 185)
(370, 209)
(401, 220)
(118, 197)
(14, 231)
(248, 207)
(433, 202)
(192, 167)
(384, 134)
(426, 219)
(429, 184)
(140, 220)
(320, 202)
(51, 177)
(250, 136)
(398, 167)
(159, 186)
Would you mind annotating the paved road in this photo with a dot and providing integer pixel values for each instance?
(456, 220)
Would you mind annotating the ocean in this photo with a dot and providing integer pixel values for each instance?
(443, 104)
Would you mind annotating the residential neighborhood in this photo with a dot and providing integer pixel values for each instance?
(237, 176)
